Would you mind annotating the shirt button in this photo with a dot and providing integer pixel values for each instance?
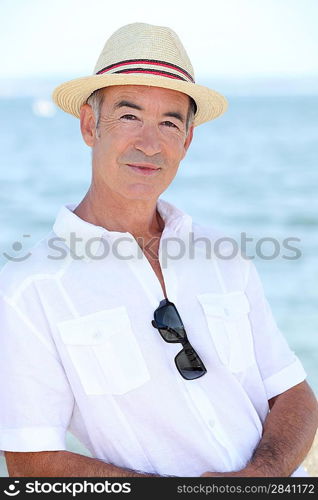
(97, 334)
(211, 422)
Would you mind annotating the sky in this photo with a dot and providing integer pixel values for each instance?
(238, 38)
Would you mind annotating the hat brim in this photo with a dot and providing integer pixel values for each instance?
(71, 95)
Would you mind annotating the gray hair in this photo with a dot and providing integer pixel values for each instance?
(191, 113)
(96, 99)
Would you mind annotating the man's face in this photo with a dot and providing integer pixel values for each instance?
(140, 140)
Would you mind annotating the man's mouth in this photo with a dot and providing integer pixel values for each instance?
(144, 168)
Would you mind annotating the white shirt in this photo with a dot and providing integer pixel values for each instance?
(78, 351)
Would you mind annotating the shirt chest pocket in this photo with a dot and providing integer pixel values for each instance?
(104, 352)
(230, 329)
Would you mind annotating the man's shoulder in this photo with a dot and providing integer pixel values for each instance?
(225, 250)
(213, 232)
(221, 239)
(28, 265)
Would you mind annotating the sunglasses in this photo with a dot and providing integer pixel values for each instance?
(167, 320)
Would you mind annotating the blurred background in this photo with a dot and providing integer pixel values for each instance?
(252, 171)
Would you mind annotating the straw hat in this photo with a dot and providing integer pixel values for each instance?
(142, 54)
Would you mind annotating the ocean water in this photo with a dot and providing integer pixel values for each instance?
(252, 171)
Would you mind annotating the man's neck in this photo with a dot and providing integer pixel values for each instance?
(138, 217)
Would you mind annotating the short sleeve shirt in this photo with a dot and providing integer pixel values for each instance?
(78, 351)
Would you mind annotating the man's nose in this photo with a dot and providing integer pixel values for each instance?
(148, 140)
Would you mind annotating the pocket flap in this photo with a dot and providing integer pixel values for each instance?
(226, 306)
(94, 329)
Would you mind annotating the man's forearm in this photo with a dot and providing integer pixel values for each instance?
(63, 464)
(288, 434)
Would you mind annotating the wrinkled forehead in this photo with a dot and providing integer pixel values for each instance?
(145, 94)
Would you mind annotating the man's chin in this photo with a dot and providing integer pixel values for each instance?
(142, 191)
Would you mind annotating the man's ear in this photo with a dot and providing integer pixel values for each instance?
(87, 122)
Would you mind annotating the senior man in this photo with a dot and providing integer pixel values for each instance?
(165, 367)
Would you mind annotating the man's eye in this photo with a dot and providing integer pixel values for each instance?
(129, 117)
(169, 124)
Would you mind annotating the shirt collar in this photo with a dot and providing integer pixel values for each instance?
(76, 232)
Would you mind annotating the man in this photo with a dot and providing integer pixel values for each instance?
(164, 367)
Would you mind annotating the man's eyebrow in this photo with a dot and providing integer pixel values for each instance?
(127, 104)
(175, 114)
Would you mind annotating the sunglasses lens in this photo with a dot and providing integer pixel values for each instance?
(169, 324)
(189, 364)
